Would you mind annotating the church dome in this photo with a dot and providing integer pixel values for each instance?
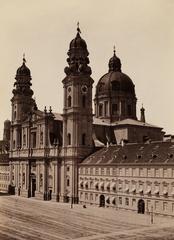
(115, 97)
(115, 80)
(23, 70)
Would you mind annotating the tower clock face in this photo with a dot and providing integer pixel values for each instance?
(84, 89)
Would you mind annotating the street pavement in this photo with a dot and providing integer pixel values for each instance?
(30, 219)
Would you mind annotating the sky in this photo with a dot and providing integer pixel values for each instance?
(141, 30)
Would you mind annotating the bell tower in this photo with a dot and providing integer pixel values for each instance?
(22, 103)
(77, 116)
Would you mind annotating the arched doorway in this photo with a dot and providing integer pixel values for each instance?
(102, 201)
(141, 206)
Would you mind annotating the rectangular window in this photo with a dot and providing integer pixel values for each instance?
(86, 196)
(164, 206)
(134, 172)
(81, 194)
(133, 202)
(96, 197)
(96, 171)
(148, 205)
(165, 172)
(141, 172)
(127, 201)
(157, 205)
(86, 171)
(127, 171)
(102, 171)
(114, 173)
(108, 171)
(33, 139)
(120, 200)
(120, 171)
(172, 207)
(149, 172)
(106, 108)
(157, 172)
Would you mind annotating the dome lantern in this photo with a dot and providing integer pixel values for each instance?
(114, 63)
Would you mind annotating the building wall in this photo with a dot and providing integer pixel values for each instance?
(124, 186)
(4, 178)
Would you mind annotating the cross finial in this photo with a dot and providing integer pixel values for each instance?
(78, 27)
(24, 60)
(114, 49)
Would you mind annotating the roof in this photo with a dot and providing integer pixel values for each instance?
(128, 121)
(58, 116)
(153, 153)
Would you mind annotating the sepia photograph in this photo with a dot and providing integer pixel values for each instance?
(87, 120)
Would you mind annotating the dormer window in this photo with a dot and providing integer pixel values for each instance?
(154, 156)
(170, 155)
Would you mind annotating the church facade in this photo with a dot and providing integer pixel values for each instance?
(108, 159)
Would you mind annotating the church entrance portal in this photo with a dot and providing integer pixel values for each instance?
(102, 201)
(141, 206)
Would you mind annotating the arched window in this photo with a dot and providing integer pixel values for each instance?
(41, 137)
(68, 182)
(14, 144)
(83, 139)
(69, 139)
(24, 139)
(100, 109)
(84, 101)
(69, 101)
(14, 115)
(129, 110)
(114, 108)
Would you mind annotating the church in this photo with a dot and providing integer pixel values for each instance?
(108, 158)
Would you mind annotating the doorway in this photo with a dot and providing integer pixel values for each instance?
(33, 185)
(102, 201)
(141, 206)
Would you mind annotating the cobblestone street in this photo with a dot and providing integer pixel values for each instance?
(25, 219)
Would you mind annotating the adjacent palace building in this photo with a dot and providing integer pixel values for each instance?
(107, 159)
